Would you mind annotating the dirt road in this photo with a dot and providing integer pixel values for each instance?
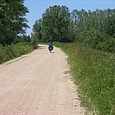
(38, 84)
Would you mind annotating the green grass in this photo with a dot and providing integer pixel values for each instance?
(94, 74)
(15, 50)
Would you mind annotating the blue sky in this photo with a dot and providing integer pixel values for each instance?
(38, 7)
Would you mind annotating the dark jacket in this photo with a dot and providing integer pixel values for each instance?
(50, 44)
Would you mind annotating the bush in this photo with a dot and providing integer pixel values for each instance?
(15, 50)
(100, 41)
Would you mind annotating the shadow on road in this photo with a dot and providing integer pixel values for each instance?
(41, 47)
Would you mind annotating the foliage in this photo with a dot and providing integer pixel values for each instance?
(90, 28)
(37, 29)
(94, 75)
(95, 29)
(110, 22)
(53, 25)
(15, 50)
(24, 38)
(12, 20)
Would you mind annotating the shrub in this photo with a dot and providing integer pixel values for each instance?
(15, 50)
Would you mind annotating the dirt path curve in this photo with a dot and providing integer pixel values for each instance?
(36, 84)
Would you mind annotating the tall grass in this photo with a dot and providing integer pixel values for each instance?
(94, 73)
(15, 50)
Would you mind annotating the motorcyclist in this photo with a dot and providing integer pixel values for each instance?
(50, 44)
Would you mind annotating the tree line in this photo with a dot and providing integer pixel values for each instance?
(91, 28)
(13, 23)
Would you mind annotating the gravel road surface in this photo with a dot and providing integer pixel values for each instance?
(38, 84)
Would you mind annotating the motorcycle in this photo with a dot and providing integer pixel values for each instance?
(50, 48)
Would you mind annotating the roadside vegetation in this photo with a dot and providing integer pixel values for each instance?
(13, 39)
(15, 50)
(94, 75)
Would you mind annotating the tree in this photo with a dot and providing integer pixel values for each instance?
(109, 26)
(55, 23)
(37, 29)
(12, 20)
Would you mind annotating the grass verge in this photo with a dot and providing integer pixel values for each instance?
(15, 50)
(94, 74)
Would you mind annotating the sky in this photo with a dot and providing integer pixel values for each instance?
(37, 7)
